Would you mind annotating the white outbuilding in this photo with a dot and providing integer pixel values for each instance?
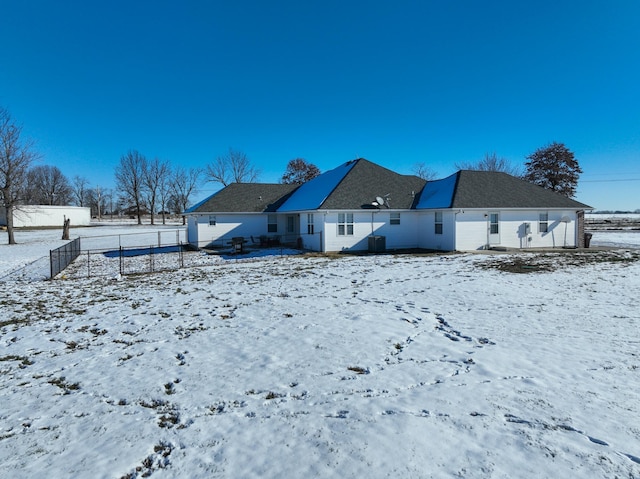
(34, 216)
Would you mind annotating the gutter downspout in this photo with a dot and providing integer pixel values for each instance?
(486, 246)
(323, 237)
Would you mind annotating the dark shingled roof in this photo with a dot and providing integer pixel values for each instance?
(366, 181)
(492, 189)
(245, 198)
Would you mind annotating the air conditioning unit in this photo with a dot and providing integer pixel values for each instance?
(377, 244)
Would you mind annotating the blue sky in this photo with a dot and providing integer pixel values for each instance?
(396, 82)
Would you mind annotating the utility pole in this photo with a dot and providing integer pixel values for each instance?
(99, 198)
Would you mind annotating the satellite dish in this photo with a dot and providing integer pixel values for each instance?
(566, 219)
(375, 203)
(380, 200)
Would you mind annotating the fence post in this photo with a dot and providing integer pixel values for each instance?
(159, 240)
(151, 259)
(51, 264)
(121, 259)
(88, 264)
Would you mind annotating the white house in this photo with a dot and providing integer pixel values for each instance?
(363, 206)
(33, 216)
(238, 210)
(473, 210)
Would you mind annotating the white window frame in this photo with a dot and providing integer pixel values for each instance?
(543, 222)
(212, 220)
(272, 223)
(345, 224)
(494, 223)
(438, 223)
(394, 218)
(310, 224)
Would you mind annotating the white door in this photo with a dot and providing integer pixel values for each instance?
(494, 228)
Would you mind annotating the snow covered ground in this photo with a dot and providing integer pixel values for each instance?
(462, 365)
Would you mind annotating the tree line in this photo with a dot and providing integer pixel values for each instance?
(143, 186)
(553, 166)
(154, 187)
(148, 185)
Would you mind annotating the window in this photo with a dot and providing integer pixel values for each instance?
(310, 223)
(291, 224)
(272, 226)
(212, 220)
(493, 223)
(345, 224)
(438, 222)
(394, 219)
(543, 223)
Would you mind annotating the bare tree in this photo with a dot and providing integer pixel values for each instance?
(153, 174)
(183, 185)
(97, 200)
(16, 156)
(164, 193)
(79, 189)
(129, 180)
(108, 200)
(299, 171)
(47, 185)
(93, 199)
(421, 170)
(234, 167)
(491, 162)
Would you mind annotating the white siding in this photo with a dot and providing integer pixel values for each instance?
(29, 216)
(366, 223)
(202, 234)
(402, 236)
(312, 241)
(357, 241)
(192, 230)
(461, 230)
(428, 239)
(472, 227)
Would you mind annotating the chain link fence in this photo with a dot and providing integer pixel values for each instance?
(132, 260)
(62, 257)
(164, 237)
(125, 253)
(166, 251)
